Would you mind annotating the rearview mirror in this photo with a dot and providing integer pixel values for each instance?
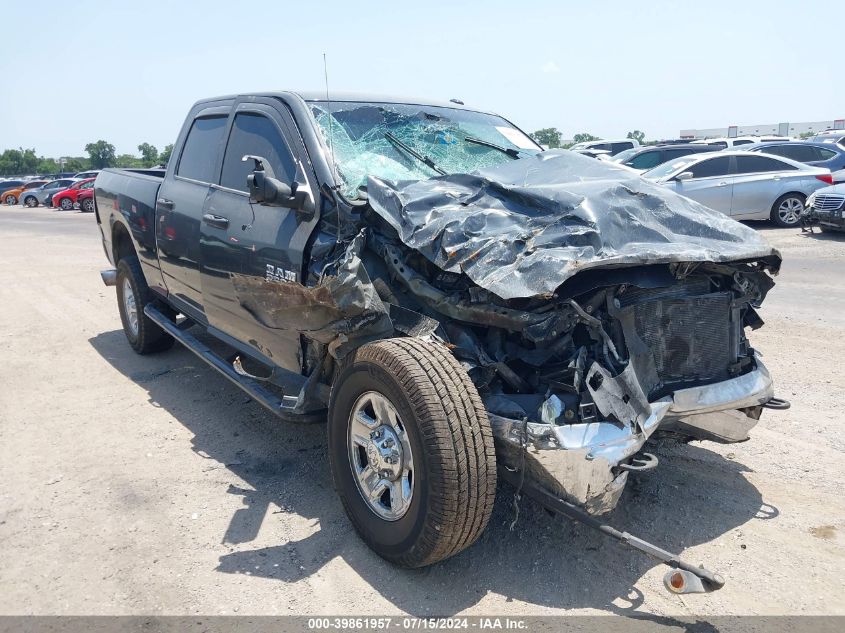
(684, 175)
(266, 189)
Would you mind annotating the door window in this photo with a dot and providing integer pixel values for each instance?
(257, 135)
(711, 168)
(759, 164)
(646, 160)
(801, 153)
(672, 154)
(615, 148)
(825, 154)
(199, 156)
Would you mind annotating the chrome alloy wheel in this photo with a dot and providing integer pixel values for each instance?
(380, 456)
(790, 210)
(130, 307)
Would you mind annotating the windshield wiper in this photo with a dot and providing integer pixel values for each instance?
(513, 153)
(410, 150)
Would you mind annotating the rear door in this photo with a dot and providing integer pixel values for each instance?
(711, 183)
(245, 245)
(180, 204)
(758, 182)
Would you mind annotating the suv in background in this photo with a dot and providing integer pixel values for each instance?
(730, 143)
(830, 136)
(645, 158)
(830, 155)
(609, 145)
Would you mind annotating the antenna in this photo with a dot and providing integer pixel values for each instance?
(331, 116)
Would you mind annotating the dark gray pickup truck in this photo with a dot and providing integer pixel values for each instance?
(447, 296)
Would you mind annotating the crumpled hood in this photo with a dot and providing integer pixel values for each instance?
(523, 228)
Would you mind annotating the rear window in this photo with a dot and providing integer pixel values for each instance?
(801, 153)
(758, 164)
(199, 156)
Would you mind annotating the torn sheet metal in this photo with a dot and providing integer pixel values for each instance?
(342, 311)
(523, 228)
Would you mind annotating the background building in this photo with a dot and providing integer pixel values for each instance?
(781, 129)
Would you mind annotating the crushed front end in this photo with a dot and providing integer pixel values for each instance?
(591, 314)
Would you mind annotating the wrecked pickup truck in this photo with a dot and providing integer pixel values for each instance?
(448, 296)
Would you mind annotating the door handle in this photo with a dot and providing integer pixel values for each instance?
(217, 221)
(723, 184)
(164, 203)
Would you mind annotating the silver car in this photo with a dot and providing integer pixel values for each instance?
(34, 197)
(743, 185)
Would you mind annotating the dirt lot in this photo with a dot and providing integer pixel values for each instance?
(151, 485)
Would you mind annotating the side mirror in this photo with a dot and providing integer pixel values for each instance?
(266, 189)
(684, 175)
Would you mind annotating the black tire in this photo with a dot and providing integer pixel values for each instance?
(454, 483)
(65, 204)
(87, 205)
(30, 201)
(10, 200)
(787, 221)
(146, 337)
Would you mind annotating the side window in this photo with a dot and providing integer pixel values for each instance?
(742, 142)
(672, 154)
(824, 154)
(621, 147)
(646, 160)
(756, 164)
(88, 185)
(199, 155)
(255, 134)
(801, 153)
(711, 168)
(721, 144)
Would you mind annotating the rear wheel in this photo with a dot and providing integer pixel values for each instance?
(411, 451)
(87, 205)
(10, 199)
(66, 204)
(30, 201)
(787, 210)
(143, 334)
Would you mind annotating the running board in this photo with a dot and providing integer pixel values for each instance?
(255, 390)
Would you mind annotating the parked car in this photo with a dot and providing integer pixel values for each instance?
(644, 158)
(34, 197)
(828, 155)
(66, 198)
(444, 295)
(731, 142)
(614, 146)
(744, 185)
(827, 208)
(830, 136)
(85, 200)
(87, 174)
(13, 196)
(10, 183)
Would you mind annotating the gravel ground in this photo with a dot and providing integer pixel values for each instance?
(150, 485)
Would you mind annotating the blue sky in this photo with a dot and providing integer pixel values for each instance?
(127, 72)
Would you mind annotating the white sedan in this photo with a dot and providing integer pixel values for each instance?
(743, 185)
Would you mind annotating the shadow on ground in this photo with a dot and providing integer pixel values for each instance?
(693, 497)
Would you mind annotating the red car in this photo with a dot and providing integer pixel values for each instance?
(85, 199)
(67, 197)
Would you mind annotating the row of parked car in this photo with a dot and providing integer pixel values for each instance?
(747, 178)
(66, 193)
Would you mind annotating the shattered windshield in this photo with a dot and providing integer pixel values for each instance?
(413, 142)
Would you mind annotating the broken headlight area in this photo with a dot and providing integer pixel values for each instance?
(575, 384)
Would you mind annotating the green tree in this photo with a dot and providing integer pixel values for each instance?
(637, 136)
(18, 162)
(129, 160)
(805, 135)
(47, 166)
(548, 137)
(77, 164)
(581, 137)
(101, 154)
(164, 157)
(149, 154)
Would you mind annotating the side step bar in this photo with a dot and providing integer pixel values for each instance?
(253, 388)
(682, 578)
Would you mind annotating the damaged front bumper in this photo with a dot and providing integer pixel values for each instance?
(585, 463)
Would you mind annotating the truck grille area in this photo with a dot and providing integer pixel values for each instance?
(691, 339)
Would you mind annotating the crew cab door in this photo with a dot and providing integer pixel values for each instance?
(244, 242)
(180, 204)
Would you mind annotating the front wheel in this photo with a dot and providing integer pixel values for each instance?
(30, 202)
(787, 210)
(144, 335)
(411, 451)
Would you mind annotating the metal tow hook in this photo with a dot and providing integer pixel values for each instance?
(640, 463)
